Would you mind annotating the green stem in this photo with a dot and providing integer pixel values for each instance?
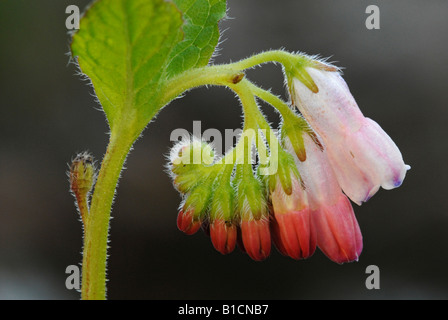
(97, 226)
(279, 56)
(290, 118)
(245, 90)
(250, 130)
(246, 94)
(273, 100)
(210, 75)
(83, 207)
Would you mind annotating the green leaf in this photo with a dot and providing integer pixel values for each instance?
(128, 47)
(201, 34)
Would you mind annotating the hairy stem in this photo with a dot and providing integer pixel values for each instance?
(277, 56)
(273, 100)
(97, 226)
(210, 75)
(83, 207)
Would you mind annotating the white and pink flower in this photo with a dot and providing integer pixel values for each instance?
(363, 157)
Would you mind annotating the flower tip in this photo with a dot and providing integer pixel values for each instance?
(256, 238)
(338, 233)
(223, 235)
(373, 190)
(294, 235)
(186, 222)
(345, 260)
(400, 180)
(396, 180)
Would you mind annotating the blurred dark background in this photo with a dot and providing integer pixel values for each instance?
(397, 74)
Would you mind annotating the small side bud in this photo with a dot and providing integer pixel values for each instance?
(82, 173)
(238, 77)
(82, 178)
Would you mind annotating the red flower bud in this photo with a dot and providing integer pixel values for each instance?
(223, 235)
(338, 232)
(295, 235)
(292, 227)
(187, 223)
(256, 238)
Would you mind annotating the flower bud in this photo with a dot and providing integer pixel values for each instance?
(223, 228)
(194, 208)
(223, 234)
(82, 174)
(291, 227)
(82, 177)
(254, 217)
(256, 236)
(187, 222)
(293, 231)
(338, 232)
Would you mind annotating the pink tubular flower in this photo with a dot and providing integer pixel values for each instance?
(338, 232)
(292, 228)
(223, 235)
(362, 155)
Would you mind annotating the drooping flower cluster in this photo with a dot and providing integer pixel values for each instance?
(362, 155)
(330, 155)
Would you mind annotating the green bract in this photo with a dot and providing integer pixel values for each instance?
(250, 193)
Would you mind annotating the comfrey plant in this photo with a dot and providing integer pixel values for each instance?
(141, 54)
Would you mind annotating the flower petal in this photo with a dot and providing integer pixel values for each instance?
(375, 153)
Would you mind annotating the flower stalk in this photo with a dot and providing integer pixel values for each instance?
(97, 223)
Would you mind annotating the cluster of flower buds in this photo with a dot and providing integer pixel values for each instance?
(329, 154)
(227, 200)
